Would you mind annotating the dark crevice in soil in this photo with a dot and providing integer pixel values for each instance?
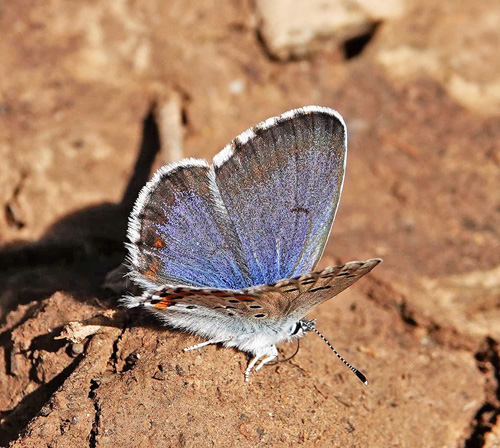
(113, 359)
(184, 113)
(407, 314)
(262, 44)
(488, 362)
(94, 385)
(11, 207)
(17, 418)
(355, 46)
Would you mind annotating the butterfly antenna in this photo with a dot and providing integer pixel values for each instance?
(356, 372)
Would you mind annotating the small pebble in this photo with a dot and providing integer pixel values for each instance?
(77, 349)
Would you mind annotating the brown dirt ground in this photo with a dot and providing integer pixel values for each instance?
(78, 138)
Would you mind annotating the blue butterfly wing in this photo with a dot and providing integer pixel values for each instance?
(281, 183)
(261, 213)
(180, 232)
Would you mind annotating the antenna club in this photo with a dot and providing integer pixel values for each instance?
(308, 325)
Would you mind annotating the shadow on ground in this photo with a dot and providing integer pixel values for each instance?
(74, 256)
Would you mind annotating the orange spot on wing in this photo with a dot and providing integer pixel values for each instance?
(162, 304)
(158, 243)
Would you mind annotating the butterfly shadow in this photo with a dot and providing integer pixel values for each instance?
(74, 256)
(77, 252)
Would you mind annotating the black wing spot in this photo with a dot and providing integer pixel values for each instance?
(255, 307)
(259, 315)
(191, 307)
(233, 301)
(327, 276)
(307, 282)
(230, 314)
(351, 276)
(300, 210)
(319, 288)
(218, 307)
(291, 290)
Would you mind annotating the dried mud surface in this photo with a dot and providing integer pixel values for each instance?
(81, 87)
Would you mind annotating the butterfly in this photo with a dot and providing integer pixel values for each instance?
(227, 250)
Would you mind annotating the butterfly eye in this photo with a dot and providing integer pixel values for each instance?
(295, 329)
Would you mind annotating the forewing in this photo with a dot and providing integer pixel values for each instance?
(294, 298)
(281, 183)
(180, 232)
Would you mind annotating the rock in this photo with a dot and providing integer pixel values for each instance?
(295, 28)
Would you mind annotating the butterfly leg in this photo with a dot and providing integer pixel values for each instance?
(269, 355)
(272, 354)
(264, 362)
(203, 344)
(250, 366)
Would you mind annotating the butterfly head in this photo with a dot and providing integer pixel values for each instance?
(305, 325)
(299, 328)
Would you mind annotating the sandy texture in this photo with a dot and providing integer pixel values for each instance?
(88, 94)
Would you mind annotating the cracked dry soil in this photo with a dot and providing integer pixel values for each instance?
(80, 133)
